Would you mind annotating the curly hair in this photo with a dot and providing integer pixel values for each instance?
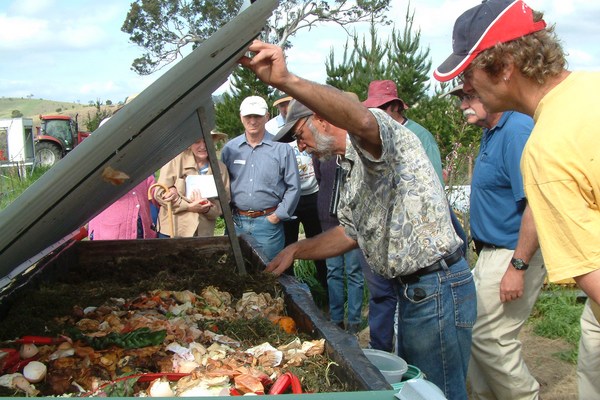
(538, 55)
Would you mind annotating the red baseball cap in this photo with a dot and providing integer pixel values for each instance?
(382, 92)
(482, 27)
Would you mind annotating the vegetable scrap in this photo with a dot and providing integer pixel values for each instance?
(162, 343)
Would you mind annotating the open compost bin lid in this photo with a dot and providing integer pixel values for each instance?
(144, 135)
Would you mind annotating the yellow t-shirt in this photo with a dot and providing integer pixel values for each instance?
(561, 174)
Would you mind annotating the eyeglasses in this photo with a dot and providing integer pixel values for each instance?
(297, 135)
(468, 97)
(466, 75)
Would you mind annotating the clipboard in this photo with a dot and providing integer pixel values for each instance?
(205, 184)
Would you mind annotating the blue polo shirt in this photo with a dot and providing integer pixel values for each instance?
(497, 195)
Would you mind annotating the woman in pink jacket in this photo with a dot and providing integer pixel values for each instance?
(127, 218)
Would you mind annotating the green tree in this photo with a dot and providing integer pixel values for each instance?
(360, 66)
(16, 114)
(164, 27)
(93, 120)
(399, 59)
(408, 63)
(402, 60)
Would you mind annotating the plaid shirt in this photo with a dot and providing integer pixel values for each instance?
(395, 207)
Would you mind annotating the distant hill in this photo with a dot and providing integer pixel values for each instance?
(32, 108)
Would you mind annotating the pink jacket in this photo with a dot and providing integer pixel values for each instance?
(119, 220)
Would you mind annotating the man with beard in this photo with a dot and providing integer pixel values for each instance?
(510, 270)
(393, 206)
(383, 94)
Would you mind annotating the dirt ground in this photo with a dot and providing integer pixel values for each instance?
(556, 377)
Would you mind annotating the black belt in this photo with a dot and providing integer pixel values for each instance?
(436, 266)
(479, 245)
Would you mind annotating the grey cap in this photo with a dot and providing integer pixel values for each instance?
(296, 111)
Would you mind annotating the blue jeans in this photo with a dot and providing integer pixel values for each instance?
(335, 281)
(270, 238)
(383, 299)
(435, 319)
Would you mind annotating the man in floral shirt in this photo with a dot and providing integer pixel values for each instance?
(393, 206)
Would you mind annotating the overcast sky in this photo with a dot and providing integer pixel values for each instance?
(74, 50)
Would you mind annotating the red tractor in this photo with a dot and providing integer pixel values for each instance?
(56, 136)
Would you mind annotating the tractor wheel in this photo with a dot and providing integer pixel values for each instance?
(47, 154)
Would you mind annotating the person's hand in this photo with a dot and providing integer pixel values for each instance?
(272, 218)
(199, 204)
(282, 261)
(268, 63)
(512, 284)
(171, 196)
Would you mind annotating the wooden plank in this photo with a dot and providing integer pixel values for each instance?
(225, 206)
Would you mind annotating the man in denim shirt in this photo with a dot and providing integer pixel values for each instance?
(265, 185)
(393, 206)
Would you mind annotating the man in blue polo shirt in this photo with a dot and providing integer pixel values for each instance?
(510, 271)
(265, 184)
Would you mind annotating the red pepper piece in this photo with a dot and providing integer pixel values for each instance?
(234, 392)
(8, 359)
(44, 340)
(281, 384)
(296, 386)
(172, 376)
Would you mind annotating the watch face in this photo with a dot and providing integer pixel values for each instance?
(519, 264)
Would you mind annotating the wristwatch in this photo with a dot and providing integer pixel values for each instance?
(519, 264)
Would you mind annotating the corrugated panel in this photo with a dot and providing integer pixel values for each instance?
(148, 132)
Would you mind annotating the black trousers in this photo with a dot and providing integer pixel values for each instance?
(307, 214)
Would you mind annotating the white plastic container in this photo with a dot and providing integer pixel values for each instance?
(391, 366)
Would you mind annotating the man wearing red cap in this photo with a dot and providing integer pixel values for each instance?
(506, 55)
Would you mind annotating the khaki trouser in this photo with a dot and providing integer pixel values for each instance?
(496, 368)
(588, 362)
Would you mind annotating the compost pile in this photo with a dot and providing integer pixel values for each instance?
(165, 341)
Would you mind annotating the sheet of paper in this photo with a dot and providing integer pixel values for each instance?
(205, 184)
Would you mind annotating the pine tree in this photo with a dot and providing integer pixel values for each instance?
(407, 63)
(360, 67)
(401, 60)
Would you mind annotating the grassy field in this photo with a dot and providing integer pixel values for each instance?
(32, 108)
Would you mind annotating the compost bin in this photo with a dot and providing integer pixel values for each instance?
(108, 269)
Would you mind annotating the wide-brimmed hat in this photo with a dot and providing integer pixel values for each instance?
(296, 111)
(482, 27)
(281, 98)
(455, 91)
(382, 92)
(253, 105)
(216, 136)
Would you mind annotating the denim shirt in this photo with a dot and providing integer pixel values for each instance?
(263, 176)
(395, 207)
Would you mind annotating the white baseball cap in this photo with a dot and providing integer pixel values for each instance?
(253, 105)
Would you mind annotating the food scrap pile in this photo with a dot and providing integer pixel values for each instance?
(165, 343)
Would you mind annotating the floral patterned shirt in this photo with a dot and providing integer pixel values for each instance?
(395, 206)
